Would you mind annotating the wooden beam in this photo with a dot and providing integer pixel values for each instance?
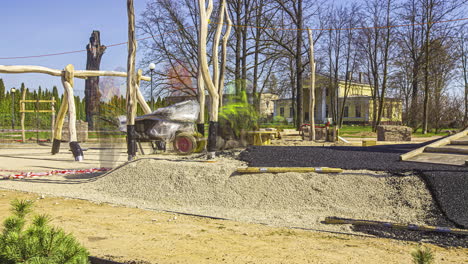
(287, 169)
(141, 99)
(36, 111)
(438, 143)
(35, 101)
(339, 220)
(78, 74)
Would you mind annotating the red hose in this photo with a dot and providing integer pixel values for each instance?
(23, 175)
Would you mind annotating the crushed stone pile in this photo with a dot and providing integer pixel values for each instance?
(286, 199)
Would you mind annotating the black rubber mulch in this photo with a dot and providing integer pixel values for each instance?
(448, 184)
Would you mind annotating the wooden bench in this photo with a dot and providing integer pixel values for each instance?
(261, 138)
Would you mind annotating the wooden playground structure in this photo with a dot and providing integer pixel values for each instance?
(36, 110)
(68, 105)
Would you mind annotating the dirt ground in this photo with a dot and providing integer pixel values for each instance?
(130, 234)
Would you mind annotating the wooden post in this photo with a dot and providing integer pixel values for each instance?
(141, 99)
(131, 93)
(312, 89)
(53, 118)
(22, 108)
(59, 123)
(67, 81)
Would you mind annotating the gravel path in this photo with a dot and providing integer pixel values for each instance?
(448, 184)
(302, 200)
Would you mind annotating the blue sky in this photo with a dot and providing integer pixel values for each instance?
(36, 27)
(33, 27)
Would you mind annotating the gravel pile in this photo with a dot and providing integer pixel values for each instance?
(286, 199)
(448, 184)
(191, 185)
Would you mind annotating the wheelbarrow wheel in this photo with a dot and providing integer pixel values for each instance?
(185, 143)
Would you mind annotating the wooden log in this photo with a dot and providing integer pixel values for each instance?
(78, 74)
(36, 111)
(312, 88)
(131, 91)
(68, 82)
(59, 123)
(40, 101)
(141, 99)
(29, 69)
(438, 143)
(339, 220)
(288, 169)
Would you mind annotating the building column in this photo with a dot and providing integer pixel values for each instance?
(324, 104)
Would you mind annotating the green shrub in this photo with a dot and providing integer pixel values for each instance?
(238, 115)
(40, 243)
(423, 255)
(280, 120)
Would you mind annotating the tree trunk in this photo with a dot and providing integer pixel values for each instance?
(244, 46)
(312, 88)
(237, 71)
(465, 77)
(385, 69)
(300, 112)
(93, 61)
(426, 68)
(256, 55)
(131, 83)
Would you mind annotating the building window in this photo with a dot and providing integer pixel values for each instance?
(291, 112)
(281, 111)
(358, 110)
(346, 111)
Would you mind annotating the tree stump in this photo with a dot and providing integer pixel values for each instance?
(92, 95)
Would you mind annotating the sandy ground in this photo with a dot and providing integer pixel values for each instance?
(130, 234)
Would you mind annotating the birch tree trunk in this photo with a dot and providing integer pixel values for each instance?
(224, 56)
(212, 84)
(312, 88)
(201, 101)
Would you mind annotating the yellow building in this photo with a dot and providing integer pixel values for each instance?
(358, 106)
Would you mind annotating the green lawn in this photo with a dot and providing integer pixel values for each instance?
(359, 131)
